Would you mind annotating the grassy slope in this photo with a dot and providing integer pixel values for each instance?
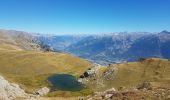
(22, 62)
(31, 68)
(153, 70)
(129, 75)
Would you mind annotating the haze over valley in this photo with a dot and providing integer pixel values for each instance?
(112, 47)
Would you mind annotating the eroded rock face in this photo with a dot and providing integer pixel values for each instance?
(10, 91)
(91, 72)
(43, 91)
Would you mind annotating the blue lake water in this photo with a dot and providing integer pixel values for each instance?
(65, 82)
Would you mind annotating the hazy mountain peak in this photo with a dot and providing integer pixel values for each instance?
(165, 32)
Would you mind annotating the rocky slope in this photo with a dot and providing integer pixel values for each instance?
(11, 91)
(19, 40)
(132, 94)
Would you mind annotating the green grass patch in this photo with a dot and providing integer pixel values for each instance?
(84, 92)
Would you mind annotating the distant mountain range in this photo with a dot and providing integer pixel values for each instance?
(59, 43)
(114, 47)
(102, 49)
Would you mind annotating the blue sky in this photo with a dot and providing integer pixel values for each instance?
(85, 16)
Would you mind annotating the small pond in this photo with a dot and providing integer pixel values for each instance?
(64, 82)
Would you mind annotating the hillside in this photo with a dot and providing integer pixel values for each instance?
(31, 68)
(23, 61)
(18, 40)
(147, 79)
(132, 74)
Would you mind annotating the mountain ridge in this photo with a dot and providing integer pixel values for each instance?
(108, 48)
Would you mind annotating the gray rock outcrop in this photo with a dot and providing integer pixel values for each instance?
(106, 95)
(10, 91)
(43, 91)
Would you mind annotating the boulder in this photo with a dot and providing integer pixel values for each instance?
(145, 85)
(80, 80)
(112, 90)
(108, 96)
(81, 76)
(43, 91)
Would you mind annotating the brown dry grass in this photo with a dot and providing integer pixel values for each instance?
(131, 74)
(31, 69)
